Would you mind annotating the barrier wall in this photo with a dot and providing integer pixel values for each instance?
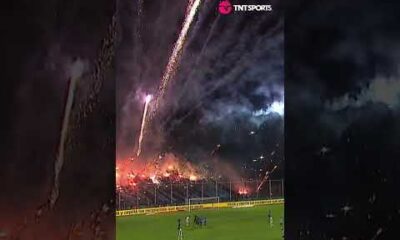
(197, 207)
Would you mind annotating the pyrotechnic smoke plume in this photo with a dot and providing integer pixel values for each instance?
(197, 61)
(201, 90)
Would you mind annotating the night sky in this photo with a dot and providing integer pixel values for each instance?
(342, 128)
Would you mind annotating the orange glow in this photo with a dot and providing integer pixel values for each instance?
(142, 170)
(243, 191)
(192, 178)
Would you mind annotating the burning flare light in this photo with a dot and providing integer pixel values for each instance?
(266, 178)
(130, 173)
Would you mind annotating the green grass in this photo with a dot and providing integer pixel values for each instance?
(223, 224)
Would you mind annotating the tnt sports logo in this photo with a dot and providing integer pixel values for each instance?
(225, 7)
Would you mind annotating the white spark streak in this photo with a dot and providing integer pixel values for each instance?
(61, 148)
(142, 129)
(177, 51)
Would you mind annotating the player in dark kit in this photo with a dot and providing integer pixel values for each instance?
(200, 221)
(180, 233)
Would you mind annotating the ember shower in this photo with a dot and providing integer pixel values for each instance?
(217, 83)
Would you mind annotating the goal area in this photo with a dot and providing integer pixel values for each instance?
(208, 202)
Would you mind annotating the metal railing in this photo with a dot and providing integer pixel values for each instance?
(171, 194)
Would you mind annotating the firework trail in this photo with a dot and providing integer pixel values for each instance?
(199, 57)
(61, 147)
(202, 18)
(87, 102)
(210, 35)
(142, 129)
(188, 9)
(265, 178)
(137, 53)
(211, 88)
(245, 61)
(102, 65)
(215, 149)
(172, 64)
(77, 70)
(193, 70)
(177, 51)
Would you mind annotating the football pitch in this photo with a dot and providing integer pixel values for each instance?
(222, 224)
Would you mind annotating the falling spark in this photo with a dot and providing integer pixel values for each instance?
(215, 149)
(265, 178)
(346, 209)
(177, 51)
(172, 64)
(102, 64)
(146, 105)
(378, 232)
(330, 215)
(199, 56)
